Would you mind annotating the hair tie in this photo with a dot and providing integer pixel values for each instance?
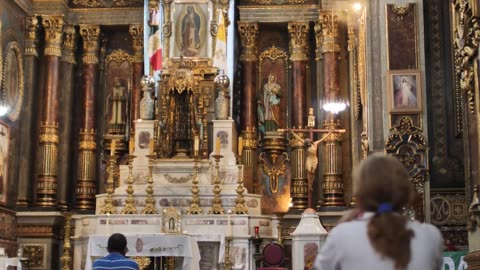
(384, 208)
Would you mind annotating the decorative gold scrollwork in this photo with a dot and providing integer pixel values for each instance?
(407, 143)
(466, 40)
(274, 172)
(401, 10)
(107, 3)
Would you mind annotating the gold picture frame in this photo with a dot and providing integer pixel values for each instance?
(404, 91)
(171, 220)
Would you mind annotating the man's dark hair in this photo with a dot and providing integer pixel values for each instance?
(117, 242)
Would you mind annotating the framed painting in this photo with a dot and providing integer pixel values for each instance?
(404, 91)
(191, 29)
(4, 144)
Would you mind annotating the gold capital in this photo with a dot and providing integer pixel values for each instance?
(53, 34)
(91, 42)
(298, 40)
(329, 26)
(136, 31)
(248, 36)
(69, 44)
(31, 27)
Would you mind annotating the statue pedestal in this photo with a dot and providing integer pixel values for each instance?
(307, 240)
(143, 134)
(227, 132)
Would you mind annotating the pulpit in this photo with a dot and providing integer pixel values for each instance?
(185, 105)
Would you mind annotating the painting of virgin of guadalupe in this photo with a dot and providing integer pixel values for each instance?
(191, 25)
(4, 142)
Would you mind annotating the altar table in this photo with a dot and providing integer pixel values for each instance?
(150, 245)
(6, 262)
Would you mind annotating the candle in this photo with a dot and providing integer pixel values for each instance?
(150, 148)
(217, 146)
(256, 231)
(196, 145)
(112, 147)
(240, 146)
(131, 146)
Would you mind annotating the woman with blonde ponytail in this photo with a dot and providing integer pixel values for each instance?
(378, 236)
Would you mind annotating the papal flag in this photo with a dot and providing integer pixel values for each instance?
(155, 38)
(220, 56)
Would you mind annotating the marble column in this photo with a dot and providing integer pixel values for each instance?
(136, 31)
(27, 125)
(66, 114)
(46, 188)
(86, 182)
(332, 184)
(298, 56)
(248, 59)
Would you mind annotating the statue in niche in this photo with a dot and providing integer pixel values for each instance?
(182, 123)
(118, 113)
(190, 32)
(269, 106)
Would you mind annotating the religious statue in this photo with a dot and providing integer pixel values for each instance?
(117, 100)
(269, 107)
(311, 163)
(182, 121)
(190, 32)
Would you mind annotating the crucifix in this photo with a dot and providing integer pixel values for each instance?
(311, 162)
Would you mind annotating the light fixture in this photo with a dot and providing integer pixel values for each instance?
(334, 105)
(357, 6)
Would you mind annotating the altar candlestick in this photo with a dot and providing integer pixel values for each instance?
(217, 146)
(229, 226)
(112, 147)
(131, 147)
(196, 145)
(150, 148)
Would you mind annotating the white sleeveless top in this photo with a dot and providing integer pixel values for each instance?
(348, 248)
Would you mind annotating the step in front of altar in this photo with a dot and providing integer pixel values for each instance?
(241, 226)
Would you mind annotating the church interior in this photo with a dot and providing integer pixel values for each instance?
(211, 132)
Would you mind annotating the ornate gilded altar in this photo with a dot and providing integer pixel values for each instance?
(186, 91)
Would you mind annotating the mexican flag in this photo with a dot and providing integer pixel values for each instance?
(155, 38)
(220, 56)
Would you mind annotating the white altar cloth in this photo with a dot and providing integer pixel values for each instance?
(150, 245)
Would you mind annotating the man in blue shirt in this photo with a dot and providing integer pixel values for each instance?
(117, 248)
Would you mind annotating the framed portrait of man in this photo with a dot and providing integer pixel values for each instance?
(191, 29)
(404, 91)
(4, 144)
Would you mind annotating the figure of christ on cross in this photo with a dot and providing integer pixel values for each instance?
(311, 162)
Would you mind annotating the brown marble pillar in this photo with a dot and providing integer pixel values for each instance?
(66, 115)
(86, 183)
(46, 189)
(248, 59)
(298, 55)
(332, 185)
(28, 114)
(137, 64)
